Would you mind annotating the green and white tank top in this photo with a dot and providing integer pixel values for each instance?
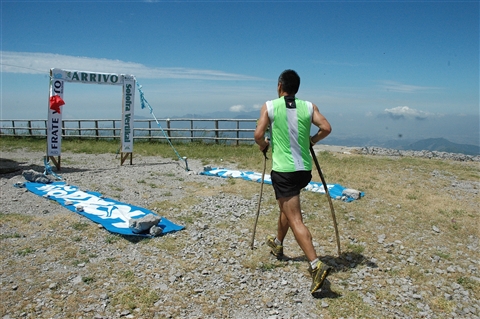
(290, 120)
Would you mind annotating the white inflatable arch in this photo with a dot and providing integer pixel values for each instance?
(58, 77)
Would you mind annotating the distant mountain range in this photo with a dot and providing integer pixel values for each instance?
(444, 145)
(400, 135)
(429, 144)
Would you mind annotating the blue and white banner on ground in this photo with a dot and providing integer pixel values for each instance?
(111, 214)
(336, 191)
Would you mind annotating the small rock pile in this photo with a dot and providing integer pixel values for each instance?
(424, 154)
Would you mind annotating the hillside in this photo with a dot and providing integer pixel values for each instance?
(410, 247)
(444, 145)
(431, 144)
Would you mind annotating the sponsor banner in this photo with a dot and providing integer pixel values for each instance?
(87, 77)
(111, 214)
(127, 113)
(336, 191)
(54, 125)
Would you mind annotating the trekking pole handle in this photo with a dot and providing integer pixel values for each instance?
(265, 150)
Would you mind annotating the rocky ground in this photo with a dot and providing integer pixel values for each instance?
(424, 154)
(56, 264)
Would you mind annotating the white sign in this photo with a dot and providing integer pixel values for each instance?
(54, 128)
(127, 113)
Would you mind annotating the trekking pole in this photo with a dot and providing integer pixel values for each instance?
(260, 198)
(329, 198)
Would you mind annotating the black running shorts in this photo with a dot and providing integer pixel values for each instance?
(289, 184)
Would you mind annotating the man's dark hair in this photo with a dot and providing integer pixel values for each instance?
(290, 81)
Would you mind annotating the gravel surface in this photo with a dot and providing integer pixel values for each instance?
(60, 265)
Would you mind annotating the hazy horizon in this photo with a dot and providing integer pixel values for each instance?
(457, 128)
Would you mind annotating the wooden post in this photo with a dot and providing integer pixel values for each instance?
(150, 130)
(191, 131)
(56, 161)
(124, 156)
(96, 129)
(238, 133)
(168, 127)
(114, 130)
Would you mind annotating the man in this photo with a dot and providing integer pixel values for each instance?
(290, 120)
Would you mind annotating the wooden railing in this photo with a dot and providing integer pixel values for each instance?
(186, 129)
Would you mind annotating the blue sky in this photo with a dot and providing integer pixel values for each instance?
(399, 59)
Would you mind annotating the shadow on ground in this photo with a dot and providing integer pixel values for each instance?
(344, 262)
(10, 168)
(348, 260)
(326, 292)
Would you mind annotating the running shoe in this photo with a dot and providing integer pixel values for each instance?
(277, 250)
(318, 275)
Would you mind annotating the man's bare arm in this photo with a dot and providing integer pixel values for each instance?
(324, 128)
(262, 126)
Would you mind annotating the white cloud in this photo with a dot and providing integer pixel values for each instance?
(405, 88)
(401, 112)
(242, 108)
(41, 63)
(237, 108)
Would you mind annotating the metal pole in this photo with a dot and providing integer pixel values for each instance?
(260, 197)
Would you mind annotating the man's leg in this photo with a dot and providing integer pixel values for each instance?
(291, 216)
(283, 226)
(290, 208)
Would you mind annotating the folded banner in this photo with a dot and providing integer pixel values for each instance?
(111, 214)
(55, 103)
(336, 191)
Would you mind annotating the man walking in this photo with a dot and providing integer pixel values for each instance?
(290, 120)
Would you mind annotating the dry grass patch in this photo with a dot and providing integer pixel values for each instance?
(255, 260)
(15, 219)
(131, 297)
(440, 305)
(170, 244)
(352, 304)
